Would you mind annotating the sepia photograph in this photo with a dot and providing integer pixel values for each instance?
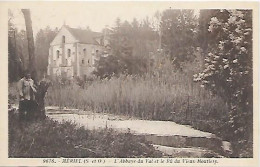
(130, 80)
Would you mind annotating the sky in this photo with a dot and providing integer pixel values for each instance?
(96, 15)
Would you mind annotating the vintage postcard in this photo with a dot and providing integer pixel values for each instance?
(137, 83)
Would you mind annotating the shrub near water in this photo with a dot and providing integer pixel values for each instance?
(174, 98)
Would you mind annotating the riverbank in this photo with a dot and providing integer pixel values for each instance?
(48, 138)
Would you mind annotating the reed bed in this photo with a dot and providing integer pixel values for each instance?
(157, 97)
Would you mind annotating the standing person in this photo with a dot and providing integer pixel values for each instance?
(26, 90)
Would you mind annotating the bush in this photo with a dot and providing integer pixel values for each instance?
(228, 72)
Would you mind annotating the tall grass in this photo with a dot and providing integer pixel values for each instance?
(160, 96)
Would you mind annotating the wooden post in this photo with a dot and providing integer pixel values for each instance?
(31, 50)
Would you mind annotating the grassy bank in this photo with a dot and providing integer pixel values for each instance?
(48, 138)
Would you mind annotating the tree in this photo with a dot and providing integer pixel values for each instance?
(204, 36)
(42, 45)
(130, 46)
(15, 67)
(22, 49)
(12, 56)
(178, 29)
(31, 49)
(135, 24)
(43, 85)
(228, 72)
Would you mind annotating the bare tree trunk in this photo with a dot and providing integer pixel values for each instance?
(43, 85)
(31, 50)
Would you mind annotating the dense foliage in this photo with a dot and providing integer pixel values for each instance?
(228, 71)
(179, 30)
(130, 47)
(42, 45)
(18, 57)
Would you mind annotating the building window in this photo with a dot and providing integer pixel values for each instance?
(88, 61)
(84, 52)
(66, 61)
(96, 51)
(58, 54)
(82, 61)
(63, 39)
(69, 52)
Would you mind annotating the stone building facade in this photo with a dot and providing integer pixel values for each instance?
(73, 52)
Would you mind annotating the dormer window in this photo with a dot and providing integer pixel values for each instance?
(63, 39)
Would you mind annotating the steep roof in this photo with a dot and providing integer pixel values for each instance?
(84, 36)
